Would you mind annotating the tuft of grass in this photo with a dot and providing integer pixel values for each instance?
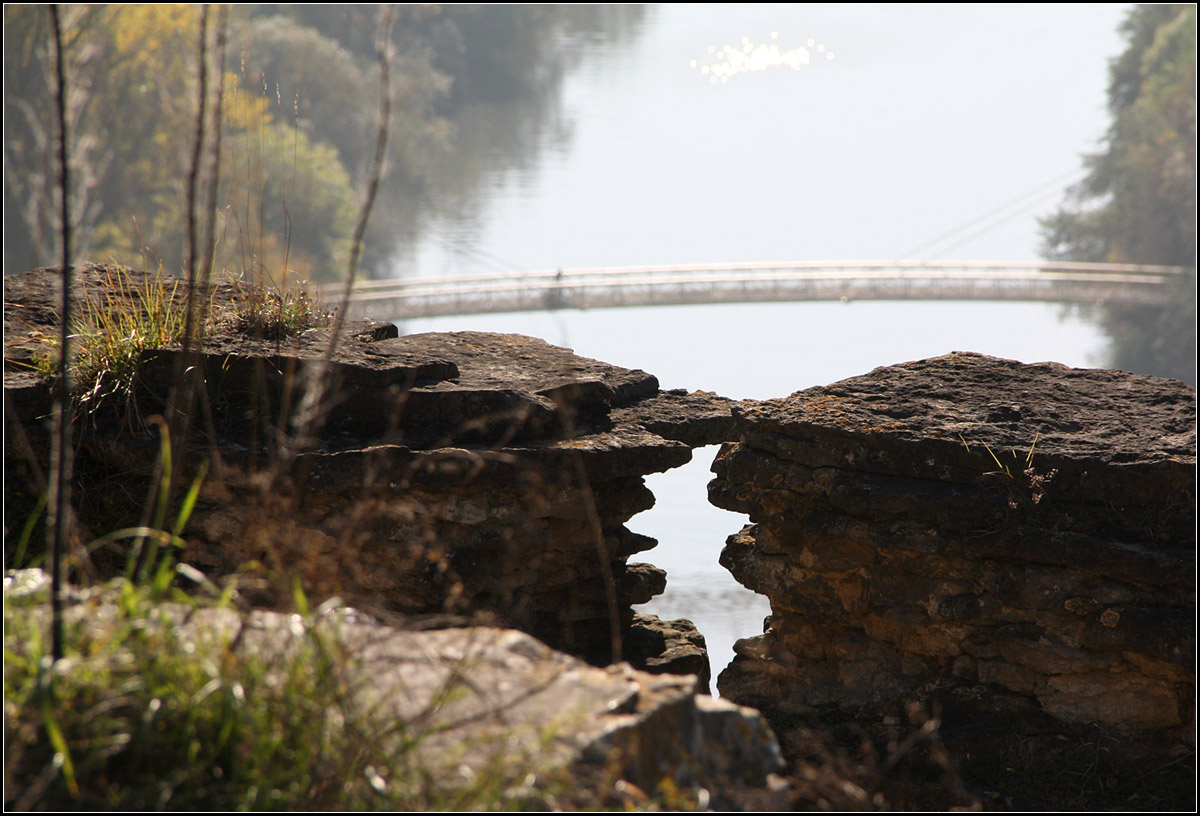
(166, 703)
(1026, 485)
(1004, 468)
(140, 715)
(110, 334)
(129, 317)
(275, 315)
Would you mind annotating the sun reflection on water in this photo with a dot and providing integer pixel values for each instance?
(728, 61)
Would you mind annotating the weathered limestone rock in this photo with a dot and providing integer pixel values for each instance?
(668, 647)
(697, 418)
(468, 473)
(503, 489)
(1008, 540)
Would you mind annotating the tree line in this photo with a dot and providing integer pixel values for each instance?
(298, 123)
(1137, 203)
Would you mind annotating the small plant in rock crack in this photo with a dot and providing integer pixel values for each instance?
(1026, 486)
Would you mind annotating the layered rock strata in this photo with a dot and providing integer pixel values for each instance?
(1015, 543)
(468, 474)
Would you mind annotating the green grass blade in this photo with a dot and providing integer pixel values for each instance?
(160, 536)
(53, 731)
(164, 479)
(27, 532)
(1003, 467)
(189, 501)
(299, 597)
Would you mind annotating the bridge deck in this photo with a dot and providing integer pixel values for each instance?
(761, 282)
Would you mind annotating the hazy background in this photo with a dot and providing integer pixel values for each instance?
(925, 118)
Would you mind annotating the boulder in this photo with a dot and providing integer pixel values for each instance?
(988, 537)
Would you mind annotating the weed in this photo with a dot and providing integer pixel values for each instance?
(1026, 486)
(1005, 469)
(190, 703)
(273, 315)
(135, 314)
(135, 718)
(111, 333)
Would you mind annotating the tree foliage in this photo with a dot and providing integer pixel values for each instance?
(299, 128)
(131, 101)
(1138, 202)
(127, 69)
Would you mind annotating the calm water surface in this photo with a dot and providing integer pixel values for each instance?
(899, 132)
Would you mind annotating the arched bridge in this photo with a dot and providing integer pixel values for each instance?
(1060, 282)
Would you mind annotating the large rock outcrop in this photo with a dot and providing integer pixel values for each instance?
(1013, 543)
(480, 475)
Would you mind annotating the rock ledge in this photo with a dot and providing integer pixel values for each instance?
(1013, 542)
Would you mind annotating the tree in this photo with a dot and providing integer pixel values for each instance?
(128, 70)
(1137, 203)
(475, 90)
(131, 111)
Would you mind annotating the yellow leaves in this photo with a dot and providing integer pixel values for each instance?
(144, 31)
(246, 111)
(132, 97)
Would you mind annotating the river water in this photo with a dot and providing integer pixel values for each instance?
(839, 132)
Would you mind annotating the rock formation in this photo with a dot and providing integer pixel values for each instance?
(469, 474)
(1013, 544)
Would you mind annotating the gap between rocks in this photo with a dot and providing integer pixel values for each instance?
(691, 533)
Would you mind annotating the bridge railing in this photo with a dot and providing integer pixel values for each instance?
(1067, 282)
